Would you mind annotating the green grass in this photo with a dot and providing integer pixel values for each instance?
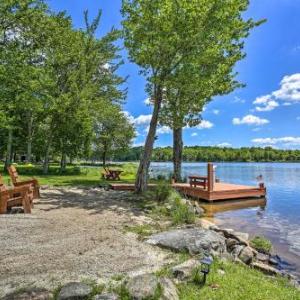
(239, 282)
(142, 231)
(74, 175)
(261, 244)
(181, 213)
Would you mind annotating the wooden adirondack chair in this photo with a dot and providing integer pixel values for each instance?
(14, 177)
(17, 196)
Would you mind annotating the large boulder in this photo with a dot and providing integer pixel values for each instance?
(185, 270)
(74, 291)
(193, 240)
(268, 270)
(142, 286)
(246, 255)
(148, 286)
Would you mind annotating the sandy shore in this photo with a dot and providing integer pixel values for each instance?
(73, 234)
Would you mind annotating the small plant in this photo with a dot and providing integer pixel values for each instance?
(197, 276)
(162, 192)
(261, 244)
(181, 213)
(141, 230)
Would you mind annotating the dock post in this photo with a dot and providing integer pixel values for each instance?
(210, 177)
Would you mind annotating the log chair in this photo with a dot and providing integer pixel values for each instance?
(17, 196)
(14, 177)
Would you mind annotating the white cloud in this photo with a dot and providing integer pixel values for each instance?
(216, 111)
(287, 141)
(129, 116)
(138, 144)
(224, 145)
(250, 120)
(147, 101)
(289, 93)
(164, 130)
(142, 119)
(106, 66)
(265, 103)
(194, 134)
(205, 125)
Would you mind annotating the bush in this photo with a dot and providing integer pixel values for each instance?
(181, 213)
(261, 244)
(162, 192)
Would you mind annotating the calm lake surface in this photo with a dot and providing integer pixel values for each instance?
(277, 218)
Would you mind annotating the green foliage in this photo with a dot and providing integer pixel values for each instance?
(142, 231)
(217, 154)
(261, 244)
(162, 192)
(197, 276)
(56, 84)
(238, 282)
(181, 213)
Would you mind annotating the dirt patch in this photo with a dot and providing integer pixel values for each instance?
(73, 234)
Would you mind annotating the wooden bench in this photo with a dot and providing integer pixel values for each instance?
(198, 181)
(17, 196)
(15, 180)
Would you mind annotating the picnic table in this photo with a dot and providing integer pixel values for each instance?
(196, 180)
(110, 174)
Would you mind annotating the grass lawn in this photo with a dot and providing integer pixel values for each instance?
(74, 175)
(239, 282)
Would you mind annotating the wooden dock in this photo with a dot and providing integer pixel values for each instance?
(221, 191)
(210, 190)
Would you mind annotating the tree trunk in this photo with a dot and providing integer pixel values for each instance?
(29, 139)
(142, 173)
(104, 154)
(9, 149)
(46, 158)
(63, 162)
(177, 153)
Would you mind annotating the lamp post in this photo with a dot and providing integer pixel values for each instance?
(205, 267)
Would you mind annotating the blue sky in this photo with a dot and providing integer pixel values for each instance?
(264, 113)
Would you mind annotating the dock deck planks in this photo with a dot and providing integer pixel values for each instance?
(221, 191)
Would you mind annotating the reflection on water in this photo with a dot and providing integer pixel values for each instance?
(278, 218)
(211, 209)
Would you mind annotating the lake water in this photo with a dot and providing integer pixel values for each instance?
(277, 218)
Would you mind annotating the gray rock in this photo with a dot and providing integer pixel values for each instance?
(230, 243)
(30, 294)
(221, 272)
(262, 257)
(273, 261)
(246, 255)
(231, 234)
(199, 211)
(169, 290)
(74, 291)
(236, 251)
(241, 235)
(193, 240)
(185, 270)
(269, 270)
(143, 286)
(146, 286)
(107, 296)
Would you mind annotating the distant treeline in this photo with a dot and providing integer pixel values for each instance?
(197, 153)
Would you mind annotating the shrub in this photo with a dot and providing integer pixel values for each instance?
(261, 244)
(181, 213)
(162, 192)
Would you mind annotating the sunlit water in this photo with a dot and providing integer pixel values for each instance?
(278, 219)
